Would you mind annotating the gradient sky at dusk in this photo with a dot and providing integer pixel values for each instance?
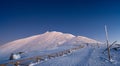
(23, 18)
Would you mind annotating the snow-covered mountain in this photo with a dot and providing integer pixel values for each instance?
(43, 41)
(90, 53)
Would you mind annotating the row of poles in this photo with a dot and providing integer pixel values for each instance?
(41, 58)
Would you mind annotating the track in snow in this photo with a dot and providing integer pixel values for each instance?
(77, 58)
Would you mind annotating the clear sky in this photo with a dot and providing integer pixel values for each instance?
(23, 18)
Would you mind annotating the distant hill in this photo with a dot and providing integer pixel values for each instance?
(43, 41)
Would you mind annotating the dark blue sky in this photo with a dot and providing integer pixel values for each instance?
(23, 18)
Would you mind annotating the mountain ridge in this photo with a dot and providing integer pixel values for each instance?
(44, 41)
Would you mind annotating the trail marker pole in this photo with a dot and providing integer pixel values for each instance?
(109, 57)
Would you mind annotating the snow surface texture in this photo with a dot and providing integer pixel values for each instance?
(44, 41)
(51, 42)
(77, 58)
(87, 56)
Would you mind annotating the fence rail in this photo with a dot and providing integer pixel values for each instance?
(40, 58)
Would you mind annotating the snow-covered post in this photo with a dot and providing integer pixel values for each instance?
(109, 57)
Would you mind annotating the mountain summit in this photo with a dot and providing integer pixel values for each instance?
(44, 41)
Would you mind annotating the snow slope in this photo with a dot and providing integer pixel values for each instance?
(37, 42)
(87, 56)
(47, 41)
(43, 41)
(81, 40)
(77, 58)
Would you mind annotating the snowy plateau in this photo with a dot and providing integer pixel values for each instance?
(57, 49)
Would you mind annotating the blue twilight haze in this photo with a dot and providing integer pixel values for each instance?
(23, 18)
